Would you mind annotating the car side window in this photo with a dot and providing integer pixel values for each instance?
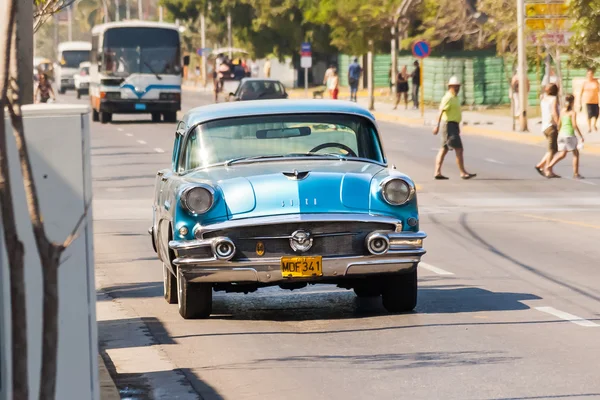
(177, 145)
(190, 153)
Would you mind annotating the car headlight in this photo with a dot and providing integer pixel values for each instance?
(397, 191)
(197, 199)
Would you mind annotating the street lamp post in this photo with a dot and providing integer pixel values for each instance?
(229, 38)
(522, 65)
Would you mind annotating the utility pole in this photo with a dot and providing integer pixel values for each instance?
(105, 4)
(24, 38)
(394, 47)
(371, 78)
(229, 38)
(70, 23)
(203, 39)
(522, 68)
(160, 14)
(127, 10)
(117, 11)
(140, 15)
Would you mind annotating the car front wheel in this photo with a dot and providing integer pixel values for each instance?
(369, 288)
(169, 286)
(194, 299)
(95, 115)
(399, 292)
(170, 116)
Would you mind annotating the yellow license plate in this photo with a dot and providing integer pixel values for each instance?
(301, 267)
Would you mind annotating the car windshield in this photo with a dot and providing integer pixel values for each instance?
(257, 89)
(72, 58)
(253, 138)
(141, 50)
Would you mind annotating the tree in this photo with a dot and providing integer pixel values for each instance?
(49, 252)
(585, 44)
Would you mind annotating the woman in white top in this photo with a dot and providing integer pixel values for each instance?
(550, 120)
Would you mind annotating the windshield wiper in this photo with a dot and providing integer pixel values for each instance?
(327, 155)
(253, 158)
(151, 70)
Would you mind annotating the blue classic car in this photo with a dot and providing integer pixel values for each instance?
(286, 193)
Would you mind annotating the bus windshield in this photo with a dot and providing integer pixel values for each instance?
(141, 50)
(72, 58)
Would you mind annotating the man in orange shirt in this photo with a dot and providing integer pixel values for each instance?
(589, 96)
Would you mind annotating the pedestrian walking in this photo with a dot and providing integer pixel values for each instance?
(328, 74)
(44, 89)
(354, 73)
(254, 69)
(589, 96)
(550, 120)
(567, 141)
(333, 84)
(449, 118)
(402, 87)
(416, 84)
(267, 68)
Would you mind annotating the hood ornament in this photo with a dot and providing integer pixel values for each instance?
(296, 175)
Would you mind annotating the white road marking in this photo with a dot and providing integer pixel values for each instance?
(120, 129)
(141, 142)
(159, 150)
(129, 134)
(567, 317)
(583, 181)
(493, 161)
(435, 270)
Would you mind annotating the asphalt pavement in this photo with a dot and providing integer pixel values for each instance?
(509, 299)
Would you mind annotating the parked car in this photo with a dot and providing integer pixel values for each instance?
(82, 79)
(284, 193)
(259, 89)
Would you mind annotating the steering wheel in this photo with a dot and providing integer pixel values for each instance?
(350, 152)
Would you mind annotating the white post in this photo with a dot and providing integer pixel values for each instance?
(522, 62)
(127, 10)
(306, 82)
(140, 15)
(70, 23)
(105, 4)
(203, 40)
(394, 48)
(117, 12)
(229, 38)
(371, 80)
(160, 14)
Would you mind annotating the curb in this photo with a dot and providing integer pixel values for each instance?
(108, 388)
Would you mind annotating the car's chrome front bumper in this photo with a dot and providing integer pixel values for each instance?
(405, 252)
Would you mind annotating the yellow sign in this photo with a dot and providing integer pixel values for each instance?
(546, 10)
(553, 24)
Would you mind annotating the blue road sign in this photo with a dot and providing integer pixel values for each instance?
(421, 49)
(306, 48)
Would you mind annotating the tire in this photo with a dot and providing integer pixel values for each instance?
(169, 286)
(79, 94)
(170, 116)
(105, 117)
(95, 115)
(399, 292)
(194, 299)
(155, 117)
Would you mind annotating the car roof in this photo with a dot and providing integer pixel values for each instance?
(74, 46)
(260, 80)
(253, 108)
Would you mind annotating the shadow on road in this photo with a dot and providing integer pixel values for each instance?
(134, 290)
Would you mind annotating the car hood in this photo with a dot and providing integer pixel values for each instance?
(289, 187)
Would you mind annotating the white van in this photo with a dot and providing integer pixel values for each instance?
(70, 55)
(136, 69)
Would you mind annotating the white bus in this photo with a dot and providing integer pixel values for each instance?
(70, 55)
(136, 68)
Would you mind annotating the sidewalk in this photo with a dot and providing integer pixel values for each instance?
(475, 123)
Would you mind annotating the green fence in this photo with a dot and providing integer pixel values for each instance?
(485, 78)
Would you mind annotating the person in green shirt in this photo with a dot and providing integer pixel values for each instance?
(449, 119)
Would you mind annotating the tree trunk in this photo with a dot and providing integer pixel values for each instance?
(14, 247)
(371, 78)
(24, 38)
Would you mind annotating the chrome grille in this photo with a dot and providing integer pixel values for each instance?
(329, 238)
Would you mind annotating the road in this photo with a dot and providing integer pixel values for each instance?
(509, 300)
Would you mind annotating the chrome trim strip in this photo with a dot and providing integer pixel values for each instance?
(292, 218)
(289, 236)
